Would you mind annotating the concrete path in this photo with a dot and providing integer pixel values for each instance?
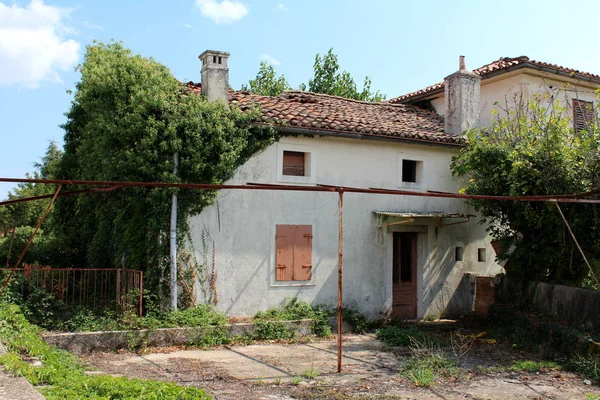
(275, 361)
(16, 388)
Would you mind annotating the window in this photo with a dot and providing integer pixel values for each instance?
(481, 254)
(583, 114)
(294, 163)
(410, 172)
(459, 252)
(293, 260)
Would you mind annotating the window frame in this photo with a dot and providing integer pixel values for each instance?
(310, 164)
(419, 171)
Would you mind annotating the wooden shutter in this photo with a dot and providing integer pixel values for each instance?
(293, 259)
(583, 114)
(303, 253)
(293, 163)
(284, 259)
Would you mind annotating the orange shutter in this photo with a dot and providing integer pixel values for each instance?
(284, 259)
(303, 253)
(293, 163)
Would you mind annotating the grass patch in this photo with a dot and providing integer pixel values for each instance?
(62, 373)
(395, 336)
(424, 369)
(311, 373)
(293, 310)
(533, 366)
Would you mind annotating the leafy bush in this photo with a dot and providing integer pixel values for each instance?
(62, 372)
(396, 336)
(291, 311)
(272, 330)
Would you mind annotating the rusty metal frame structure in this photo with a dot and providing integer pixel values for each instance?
(103, 186)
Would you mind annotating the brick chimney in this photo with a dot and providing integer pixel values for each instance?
(461, 93)
(215, 75)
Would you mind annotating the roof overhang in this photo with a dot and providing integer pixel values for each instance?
(412, 214)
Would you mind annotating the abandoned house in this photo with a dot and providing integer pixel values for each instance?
(413, 257)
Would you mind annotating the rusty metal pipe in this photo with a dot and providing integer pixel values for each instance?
(35, 231)
(340, 279)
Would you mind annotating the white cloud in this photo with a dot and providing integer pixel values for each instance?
(269, 59)
(222, 12)
(33, 47)
(189, 26)
(281, 7)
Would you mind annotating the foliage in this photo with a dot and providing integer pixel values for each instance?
(267, 83)
(395, 336)
(24, 217)
(128, 118)
(427, 363)
(532, 150)
(295, 310)
(588, 365)
(533, 366)
(62, 372)
(328, 80)
(272, 330)
(311, 373)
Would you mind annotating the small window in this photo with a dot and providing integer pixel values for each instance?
(294, 163)
(481, 254)
(459, 253)
(583, 114)
(293, 260)
(409, 171)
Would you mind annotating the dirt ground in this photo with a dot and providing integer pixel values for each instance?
(276, 371)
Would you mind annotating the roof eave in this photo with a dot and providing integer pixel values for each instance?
(428, 95)
(321, 132)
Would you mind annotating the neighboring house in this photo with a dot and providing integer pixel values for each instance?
(402, 255)
(509, 79)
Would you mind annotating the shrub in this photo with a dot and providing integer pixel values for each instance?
(588, 366)
(396, 336)
(291, 311)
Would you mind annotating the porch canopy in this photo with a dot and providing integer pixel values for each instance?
(403, 217)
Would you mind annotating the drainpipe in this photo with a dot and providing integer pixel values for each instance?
(173, 241)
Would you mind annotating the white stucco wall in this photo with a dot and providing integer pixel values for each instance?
(503, 89)
(242, 225)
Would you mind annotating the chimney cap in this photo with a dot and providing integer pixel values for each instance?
(214, 53)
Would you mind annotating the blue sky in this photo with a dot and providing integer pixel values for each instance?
(401, 45)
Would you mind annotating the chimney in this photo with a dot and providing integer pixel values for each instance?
(215, 75)
(461, 93)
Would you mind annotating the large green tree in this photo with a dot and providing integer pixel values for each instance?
(128, 118)
(532, 149)
(267, 83)
(327, 79)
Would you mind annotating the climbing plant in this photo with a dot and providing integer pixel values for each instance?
(128, 117)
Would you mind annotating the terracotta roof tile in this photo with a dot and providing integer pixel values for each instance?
(320, 112)
(504, 64)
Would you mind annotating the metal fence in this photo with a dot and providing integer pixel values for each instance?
(92, 288)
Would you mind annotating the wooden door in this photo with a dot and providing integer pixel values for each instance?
(404, 275)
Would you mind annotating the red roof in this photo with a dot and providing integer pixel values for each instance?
(324, 113)
(502, 65)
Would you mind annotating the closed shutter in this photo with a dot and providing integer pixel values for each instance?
(293, 259)
(293, 163)
(284, 259)
(583, 114)
(303, 253)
